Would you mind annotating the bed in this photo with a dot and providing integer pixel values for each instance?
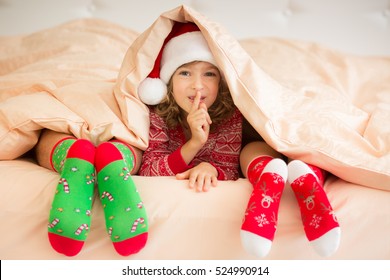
(73, 70)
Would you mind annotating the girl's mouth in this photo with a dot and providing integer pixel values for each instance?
(192, 98)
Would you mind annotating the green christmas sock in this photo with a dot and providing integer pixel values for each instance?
(70, 215)
(124, 211)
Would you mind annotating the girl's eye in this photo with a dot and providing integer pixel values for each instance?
(210, 74)
(184, 73)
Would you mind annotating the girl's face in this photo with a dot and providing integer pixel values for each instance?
(193, 77)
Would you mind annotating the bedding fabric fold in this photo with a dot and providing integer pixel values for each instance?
(311, 103)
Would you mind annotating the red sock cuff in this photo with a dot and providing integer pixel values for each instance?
(130, 148)
(54, 148)
(320, 173)
(256, 166)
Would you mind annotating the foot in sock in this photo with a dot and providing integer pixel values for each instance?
(318, 218)
(125, 215)
(70, 220)
(268, 177)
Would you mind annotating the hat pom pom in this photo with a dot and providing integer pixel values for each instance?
(152, 91)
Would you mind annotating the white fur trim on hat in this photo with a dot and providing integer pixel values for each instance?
(188, 47)
(152, 91)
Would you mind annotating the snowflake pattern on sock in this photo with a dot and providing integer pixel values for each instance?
(262, 210)
(317, 214)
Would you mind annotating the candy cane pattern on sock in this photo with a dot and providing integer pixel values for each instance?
(54, 223)
(81, 228)
(135, 224)
(90, 178)
(64, 182)
(125, 175)
(108, 195)
(140, 205)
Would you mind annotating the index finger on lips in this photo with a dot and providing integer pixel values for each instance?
(195, 105)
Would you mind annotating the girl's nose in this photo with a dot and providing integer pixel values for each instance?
(197, 83)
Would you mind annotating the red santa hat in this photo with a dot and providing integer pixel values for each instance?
(184, 44)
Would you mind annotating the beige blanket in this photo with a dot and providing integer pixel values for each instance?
(308, 102)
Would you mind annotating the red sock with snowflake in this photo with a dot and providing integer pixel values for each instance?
(69, 221)
(268, 177)
(125, 214)
(319, 220)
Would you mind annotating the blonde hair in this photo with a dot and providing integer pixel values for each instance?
(222, 108)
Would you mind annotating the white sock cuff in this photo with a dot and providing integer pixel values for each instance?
(297, 168)
(277, 166)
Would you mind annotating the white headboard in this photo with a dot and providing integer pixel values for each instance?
(354, 26)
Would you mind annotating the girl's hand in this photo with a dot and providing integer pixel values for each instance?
(199, 121)
(201, 177)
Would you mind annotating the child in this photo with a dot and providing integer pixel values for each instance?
(195, 132)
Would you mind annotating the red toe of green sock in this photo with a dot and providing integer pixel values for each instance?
(125, 214)
(63, 245)
(70, 214)
(132, 245)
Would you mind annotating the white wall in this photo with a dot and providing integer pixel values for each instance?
(356, 26)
